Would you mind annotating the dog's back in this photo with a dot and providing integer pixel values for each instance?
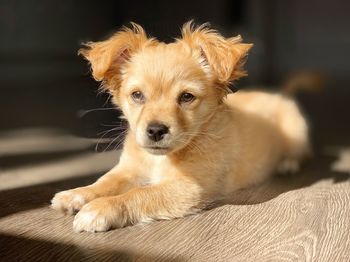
(283, 113)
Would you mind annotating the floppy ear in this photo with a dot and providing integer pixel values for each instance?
(225, 57)
(107, 57)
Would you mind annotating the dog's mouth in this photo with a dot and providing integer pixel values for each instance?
(157, 150)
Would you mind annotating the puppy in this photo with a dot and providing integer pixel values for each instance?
(189, 142)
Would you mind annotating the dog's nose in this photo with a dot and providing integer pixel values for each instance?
(156, 131)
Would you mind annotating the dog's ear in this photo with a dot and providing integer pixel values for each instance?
(223, 57)
(107, 57)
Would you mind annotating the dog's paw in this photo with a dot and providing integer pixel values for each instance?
(288, 166)
(71, 201)
(98, 216)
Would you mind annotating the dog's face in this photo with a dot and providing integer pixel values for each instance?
(166, 95)
(167, 91)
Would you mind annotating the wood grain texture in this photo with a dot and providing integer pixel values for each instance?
(305, 217)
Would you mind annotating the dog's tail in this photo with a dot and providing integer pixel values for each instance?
(304, 81)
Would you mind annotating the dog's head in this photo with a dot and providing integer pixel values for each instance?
(167, 91)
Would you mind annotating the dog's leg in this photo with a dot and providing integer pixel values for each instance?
(168, 200)
(294, 128)
(116, 181)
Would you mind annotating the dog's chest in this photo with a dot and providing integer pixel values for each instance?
(157, 171)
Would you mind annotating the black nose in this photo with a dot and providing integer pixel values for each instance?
(156, 131)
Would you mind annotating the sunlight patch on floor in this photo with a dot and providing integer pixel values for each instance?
(45, 141)
(77, 166)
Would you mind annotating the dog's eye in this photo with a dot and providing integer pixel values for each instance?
(138, 97)
(186, 98)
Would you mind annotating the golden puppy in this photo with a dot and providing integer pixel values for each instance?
(189, 142)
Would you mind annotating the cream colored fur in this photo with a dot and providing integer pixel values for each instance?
(217, 142)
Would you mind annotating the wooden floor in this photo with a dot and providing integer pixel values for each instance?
(304, 217)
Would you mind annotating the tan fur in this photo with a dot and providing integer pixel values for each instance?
(217, 143)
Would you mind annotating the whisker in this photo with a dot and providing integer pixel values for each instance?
(104, 133)
(115, 139)
(82, 113)
(115, 125)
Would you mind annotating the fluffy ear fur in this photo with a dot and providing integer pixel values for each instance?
(107, 57)
(225, 57)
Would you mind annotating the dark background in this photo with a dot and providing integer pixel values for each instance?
(44, 83)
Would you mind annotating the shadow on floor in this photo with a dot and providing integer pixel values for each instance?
(15, 161)
(26, 198)
(313, 171)
(23, 249)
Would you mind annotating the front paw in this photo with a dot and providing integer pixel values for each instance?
(100, 215)
(71, 201)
